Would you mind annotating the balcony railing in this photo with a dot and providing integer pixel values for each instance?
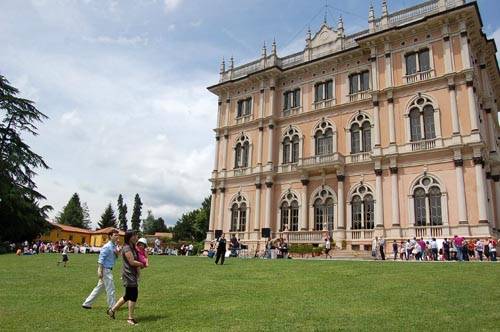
(423, 145)
(323, 104)
(359, 96)
(292, 111)
(287, 168)
(301, 236)
(361, 234)
(325, 159)
(359, 157)
(240, 171)
(420, 76)
(428, 231)
(244, 118)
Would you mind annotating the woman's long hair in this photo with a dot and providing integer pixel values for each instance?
(128, 235)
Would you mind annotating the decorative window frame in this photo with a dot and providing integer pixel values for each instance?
(355, 191)
(329, 124)
(416, 49)
(416, 183)
(292, 110)
(286, 133)
(284, 197)
(354, 71)
(353, 120)
(244, 117)
(317, 194)
(412, 103)
(324, 102)
(239, 198)
(242, 138)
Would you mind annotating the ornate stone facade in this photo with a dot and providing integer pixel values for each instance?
(390, 131)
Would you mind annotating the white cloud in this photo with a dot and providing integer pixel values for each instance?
(71, 118)
(171, 27)
(496, 36)
(122, 41)
(171, 5)
(196, 23)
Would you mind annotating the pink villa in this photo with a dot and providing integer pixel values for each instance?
(391, 131)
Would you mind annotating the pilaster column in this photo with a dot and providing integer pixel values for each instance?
(256, 222)
(261, 101)
(473, 114)
(269, 193)
(388, 69)
(304, 212)
(216, 160)
(461, 202)
(224, 152)
(228, 112)
(341, 201)
(376, 120)
(395, 196)
(448, 59)
(392, 126)
(272, 100)
(491, 205)
(374, 71)
(212, 210)
(455, 124)
(220, 220)
(260, 142)
(496, 179)
(379, 208)
(270, 151)
(480, 190)
(491, 129)
(464, 47)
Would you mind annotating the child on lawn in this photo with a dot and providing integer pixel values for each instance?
(142, 253)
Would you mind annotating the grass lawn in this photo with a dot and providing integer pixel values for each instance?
(193, 294)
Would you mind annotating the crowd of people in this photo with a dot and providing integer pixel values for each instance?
(41, 247)
(456, 249)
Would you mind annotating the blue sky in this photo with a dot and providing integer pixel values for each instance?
(124, 84)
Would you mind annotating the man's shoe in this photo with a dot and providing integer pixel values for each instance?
(86, 307)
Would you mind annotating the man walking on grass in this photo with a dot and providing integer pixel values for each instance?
(106, 261)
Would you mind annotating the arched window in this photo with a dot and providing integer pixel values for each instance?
(289, 209)
(291, 146)
(422, 123)
(238, 214)
(361, 135)
(323, 210)
(323, 138)
(241, 151)
(427, 202)
(362, 208)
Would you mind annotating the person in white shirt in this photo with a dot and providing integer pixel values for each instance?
(64, 255)
(328, 247)
(434, 249)
(479, 249)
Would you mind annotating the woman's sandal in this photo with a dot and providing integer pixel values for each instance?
(132, 321)
(110, 313)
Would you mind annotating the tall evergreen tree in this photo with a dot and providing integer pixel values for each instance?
(160, 225)
(148, 225)
(122, 213)
(72, 214)
(22, 217)
(86, 216)
(108, 218)
(136, 213)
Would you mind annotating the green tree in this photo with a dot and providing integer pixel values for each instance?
(108, 218)
(122, 213)
(72, 214)
(136, 213)
(193, 225)
(21, 214)
(86, 216)
(160, 225)
(148, 225)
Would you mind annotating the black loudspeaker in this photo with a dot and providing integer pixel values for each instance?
(266, 232)
(218, 233)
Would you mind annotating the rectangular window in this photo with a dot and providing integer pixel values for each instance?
(319, 96)
(296, 98)
(411, 63)
(353, 84)
(295, 152)
(329, 89)
(423, 60)
(295, 219)
(365, 81)
(244, 107)
(286, 104)
(286, 153)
